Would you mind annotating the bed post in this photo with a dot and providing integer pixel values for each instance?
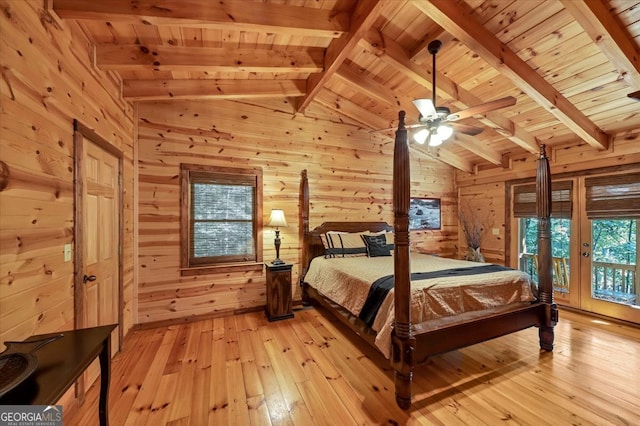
(545, 282)
(303, 221)
(402, 340)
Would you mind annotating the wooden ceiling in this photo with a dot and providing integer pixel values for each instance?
(571, 64)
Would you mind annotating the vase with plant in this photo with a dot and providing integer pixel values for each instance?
(473, 233)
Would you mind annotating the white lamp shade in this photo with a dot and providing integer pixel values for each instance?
(421, 136)
(277, 219)
(435, 140)
(445, 132)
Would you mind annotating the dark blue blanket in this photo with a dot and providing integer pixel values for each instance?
(380, 288)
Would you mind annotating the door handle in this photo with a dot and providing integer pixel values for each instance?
(88, 278)
(585, 254)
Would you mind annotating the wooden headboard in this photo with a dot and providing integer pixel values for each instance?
(315, 247)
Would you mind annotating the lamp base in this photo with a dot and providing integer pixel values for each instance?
(278, 262)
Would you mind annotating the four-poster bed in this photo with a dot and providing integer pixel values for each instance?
(413, 343)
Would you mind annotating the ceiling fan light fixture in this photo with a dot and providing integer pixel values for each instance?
(445, 132)
(421, 136)
(434, 118)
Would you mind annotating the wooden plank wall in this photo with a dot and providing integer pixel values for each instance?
(47, 82)
(349, 177)
(486, 202)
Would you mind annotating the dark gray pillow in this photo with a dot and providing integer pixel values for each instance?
(377, 245)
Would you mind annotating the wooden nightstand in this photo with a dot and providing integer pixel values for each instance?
(279, 305)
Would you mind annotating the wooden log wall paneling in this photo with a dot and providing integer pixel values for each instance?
(349, 175)
(48, 81)
(484, 203)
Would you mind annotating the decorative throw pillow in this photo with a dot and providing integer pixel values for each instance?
(343, 244)
(377, 245)
(327, 240)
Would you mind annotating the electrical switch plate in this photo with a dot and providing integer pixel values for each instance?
(67, 252)
(495, 231)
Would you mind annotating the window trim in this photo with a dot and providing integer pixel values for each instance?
(187, 172)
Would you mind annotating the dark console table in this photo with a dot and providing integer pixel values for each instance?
(60, 364)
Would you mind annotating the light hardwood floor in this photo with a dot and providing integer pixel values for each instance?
(310, 370)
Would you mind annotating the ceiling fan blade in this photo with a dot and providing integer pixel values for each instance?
(635, 95)
(426, 108)
(482, 108)
(466, 129)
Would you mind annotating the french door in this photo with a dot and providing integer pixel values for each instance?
(595, 243)
(609, 245)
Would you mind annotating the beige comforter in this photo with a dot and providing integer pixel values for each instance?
(346, 281)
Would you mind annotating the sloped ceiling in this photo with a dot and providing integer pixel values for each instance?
(571, 64)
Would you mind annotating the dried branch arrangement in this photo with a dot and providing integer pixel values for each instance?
(471, 220)
(472, 229)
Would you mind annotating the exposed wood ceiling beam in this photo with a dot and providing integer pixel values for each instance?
(363, 16)
(369, 87)
(145, 90)
(609, 35)
(480, 149)
(457, 21)
(380, 92)
(262, 17)
(446, 157)
(213, 59)
(348, 108)
(393, 54)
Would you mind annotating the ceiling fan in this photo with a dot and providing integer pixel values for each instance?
(438, 123)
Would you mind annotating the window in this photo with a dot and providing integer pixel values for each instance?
(220, 218)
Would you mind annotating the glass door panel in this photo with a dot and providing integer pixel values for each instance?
(611, 265)
(560, 249)
(614, 257)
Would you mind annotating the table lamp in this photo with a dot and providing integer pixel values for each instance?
(277, 220)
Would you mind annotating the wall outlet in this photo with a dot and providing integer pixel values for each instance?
(67, 252)
(495, 231)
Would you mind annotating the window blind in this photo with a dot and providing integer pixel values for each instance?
(616, 196)
(524, 203)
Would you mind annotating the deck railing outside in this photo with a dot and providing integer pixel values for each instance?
(615, 282)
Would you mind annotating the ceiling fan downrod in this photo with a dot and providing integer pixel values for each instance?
(433, 48)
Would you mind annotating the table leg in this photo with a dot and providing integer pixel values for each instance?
(105, 375)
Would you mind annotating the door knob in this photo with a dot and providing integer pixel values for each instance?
(88, 278)
(585, 254)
